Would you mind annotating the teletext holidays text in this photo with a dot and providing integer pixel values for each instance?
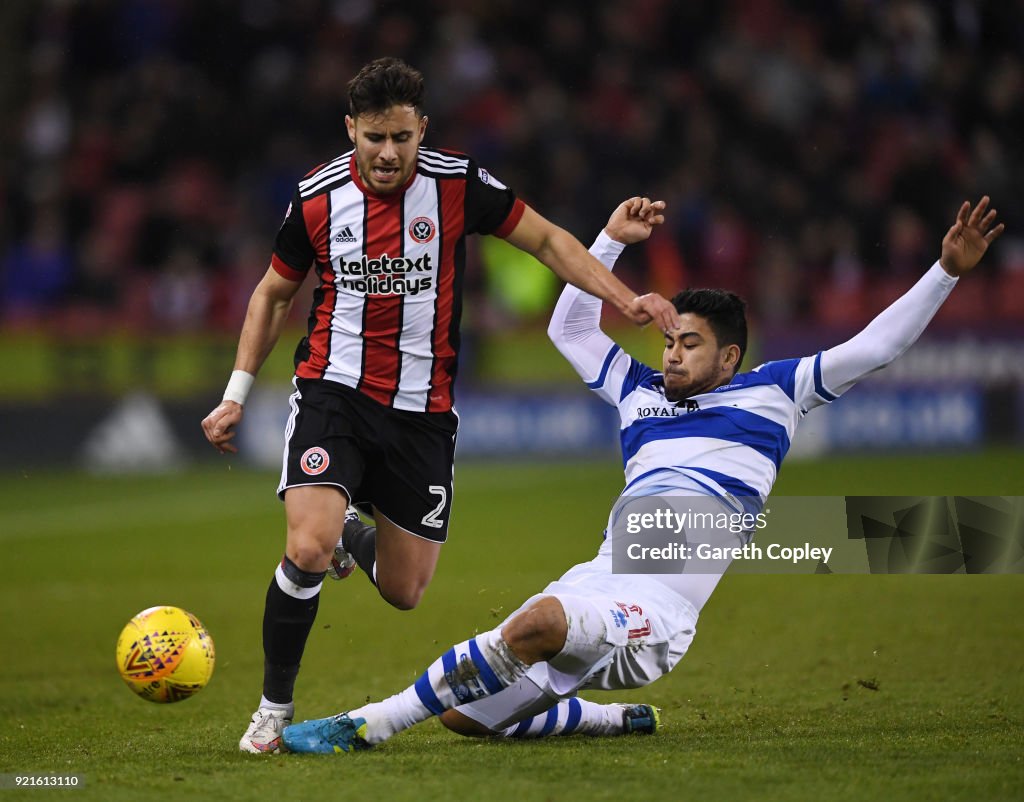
(386, 275)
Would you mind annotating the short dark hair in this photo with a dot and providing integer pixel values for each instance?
(725, 312)
(384, 83)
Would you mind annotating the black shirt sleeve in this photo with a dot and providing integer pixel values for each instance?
(488, 201)
(292, 245)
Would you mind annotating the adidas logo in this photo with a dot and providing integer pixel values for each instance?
(135, 437)
(345, 235)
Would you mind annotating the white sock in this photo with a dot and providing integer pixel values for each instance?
(471, 670)
(570, 717)
(283, 707)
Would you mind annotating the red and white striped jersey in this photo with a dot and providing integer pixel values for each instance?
(385, 316)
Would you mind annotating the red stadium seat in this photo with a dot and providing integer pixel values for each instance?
(970, 301)
(839, 306)
(1007, 300)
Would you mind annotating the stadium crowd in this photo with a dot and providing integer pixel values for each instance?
(810, 152)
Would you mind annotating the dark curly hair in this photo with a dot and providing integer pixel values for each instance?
(725, 312)
(384, 83)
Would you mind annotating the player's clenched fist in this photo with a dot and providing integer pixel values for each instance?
(653, 308)
(633, 220)
(219, 426)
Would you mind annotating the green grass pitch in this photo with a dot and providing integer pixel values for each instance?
(770, 703)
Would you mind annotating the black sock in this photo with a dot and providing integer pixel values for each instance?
(286, 624)
(360, 540)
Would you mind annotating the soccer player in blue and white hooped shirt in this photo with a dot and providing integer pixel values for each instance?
(597, 629)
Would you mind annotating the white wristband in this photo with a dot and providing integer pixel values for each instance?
(238, 386)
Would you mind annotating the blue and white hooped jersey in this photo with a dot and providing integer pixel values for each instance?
(730, 442)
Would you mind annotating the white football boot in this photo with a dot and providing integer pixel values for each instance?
(343, 563)
(264, 733)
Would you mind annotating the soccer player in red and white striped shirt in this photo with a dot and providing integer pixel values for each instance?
(372, 418)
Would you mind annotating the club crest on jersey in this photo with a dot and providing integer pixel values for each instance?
(422, 229)
(314, 461)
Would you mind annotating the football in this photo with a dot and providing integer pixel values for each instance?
(165, 654)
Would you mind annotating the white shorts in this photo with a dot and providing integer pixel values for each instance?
(624, 632)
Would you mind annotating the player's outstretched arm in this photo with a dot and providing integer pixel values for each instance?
(897, 328)
(568, 259)
(265, 317)
(575, 327)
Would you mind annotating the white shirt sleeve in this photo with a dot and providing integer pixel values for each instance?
(887, 336)
(575, 329)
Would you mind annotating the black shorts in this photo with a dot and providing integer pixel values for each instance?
(400, 462)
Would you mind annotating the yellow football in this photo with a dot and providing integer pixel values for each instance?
(165, 654)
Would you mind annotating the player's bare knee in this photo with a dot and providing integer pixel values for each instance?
(309, 557)
(310, 549)
(538, 633)
(402, 601)
(402, 595)
(464, 725)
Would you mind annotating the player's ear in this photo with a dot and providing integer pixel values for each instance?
(350, 126)
(731, 358)
(424, 120)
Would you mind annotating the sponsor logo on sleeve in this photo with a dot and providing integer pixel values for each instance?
(490, 180)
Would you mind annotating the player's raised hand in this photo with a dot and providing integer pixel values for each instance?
(969, 237)
(653, 308)
(634, 219)
(219, 426)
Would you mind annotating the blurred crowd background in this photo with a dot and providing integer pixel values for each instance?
(812, 153)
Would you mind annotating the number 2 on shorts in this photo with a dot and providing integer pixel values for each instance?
(431, 519)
